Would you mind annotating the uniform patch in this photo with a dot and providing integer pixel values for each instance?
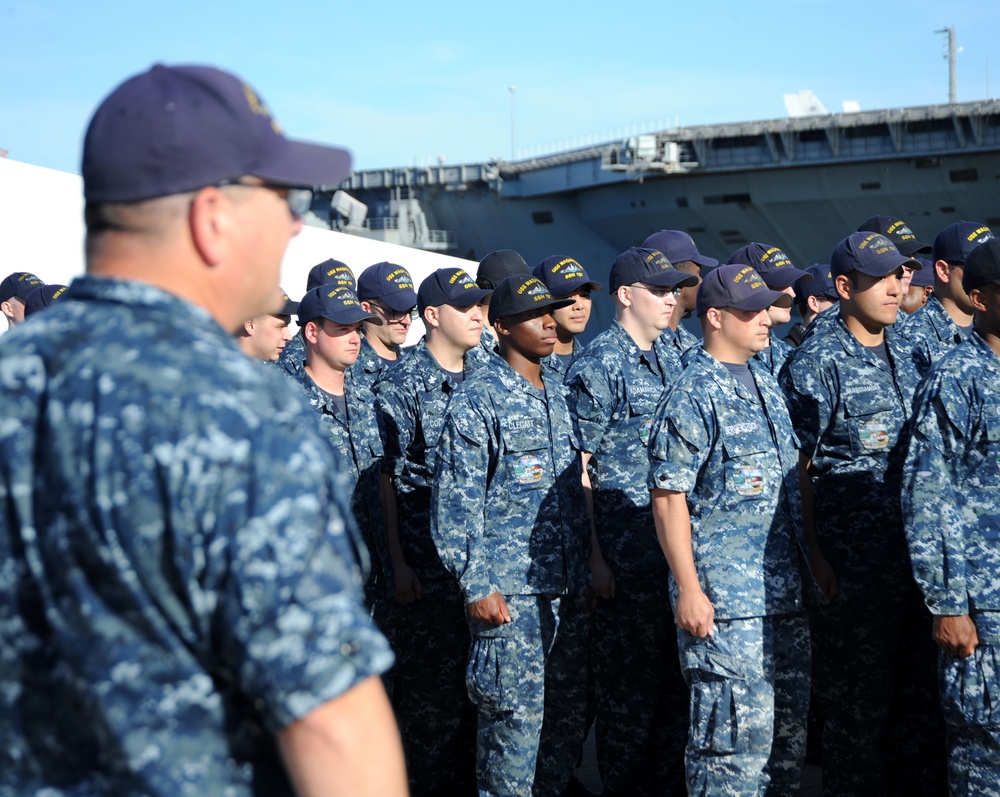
(874, 435)
(748, 480)
(528, 469)
(644, 429)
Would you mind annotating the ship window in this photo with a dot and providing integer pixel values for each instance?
(727, 199)
(870, 186)
(946, 209)
(542, 217)
(812, 135)
(693, 230)
(963, 175)
(682, 202)
(927, 163)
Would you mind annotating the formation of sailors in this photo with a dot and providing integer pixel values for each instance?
(679, 541)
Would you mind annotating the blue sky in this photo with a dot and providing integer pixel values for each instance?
(407, 83)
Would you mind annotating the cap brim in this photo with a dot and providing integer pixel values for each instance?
(305, 165)
(763, 300)
(889, 265)
(400, 301)
(915, 248)
(348, 316)
(672, 278)
(782, 278)
(594, 286)
(704, 262)
(469, 298)
(289, 308)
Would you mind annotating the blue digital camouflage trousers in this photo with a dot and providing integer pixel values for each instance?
(749, 687)
(528, 679)
(970, 700)
(642, 700)
(873, 677)
(437, 723)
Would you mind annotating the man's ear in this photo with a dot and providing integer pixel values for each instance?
(843, 285)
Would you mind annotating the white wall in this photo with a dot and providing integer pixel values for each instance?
(41, 231)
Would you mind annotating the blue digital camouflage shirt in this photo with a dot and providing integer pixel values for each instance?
(849, 409)
(179, 575)
(614, 391)
(737, 462)
(931, 333)
(508, 512)
(411, 401)
(357, 439)
(369, 367)
(951, 482)
(771, 359)
(556, 365)
(680, 341)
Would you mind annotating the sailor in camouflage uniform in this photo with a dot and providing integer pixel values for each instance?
(778, 273)
(812, 297)
(423, 614)
(385, 289)
(682, 252)
(951, 509)
(180, 591)
(946, 319)
(331, 319)
(723, 477)
(615, 386)
(849, 391)
(567, 279)
(509, 522)
(264, 337)
(329, 272)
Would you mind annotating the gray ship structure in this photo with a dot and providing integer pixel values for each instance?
(798, 183)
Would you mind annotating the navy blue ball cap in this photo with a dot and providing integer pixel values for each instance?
(737, 286)
(176, 129)
(563, 275)
(337, 304)
(19, 284)
(388, 283)
(924, 276)
(331, 272)
(523, 293)
(650, 266)
(773, 265)
(451, 286)
(41, 297)
(869, 253)
(898, 232)
(497, 266)
(288, 305)
(982, 266)
(678, 247)
(955, 241)
(820, 283)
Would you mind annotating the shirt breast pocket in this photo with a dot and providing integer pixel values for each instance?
(746, 470)
(641, 408)
(871, 423)
(527, 463)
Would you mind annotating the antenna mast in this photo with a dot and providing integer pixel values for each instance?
(950, 55)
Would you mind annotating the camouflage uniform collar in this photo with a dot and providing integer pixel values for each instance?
(944, 326)
(632, 350)
(141, 294)
(990, 359)
(433, 376)
(719, 373)
(854, 348)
